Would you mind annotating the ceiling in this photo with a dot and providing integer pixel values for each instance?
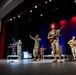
(7, 5)
(2, 2)
(54, 10)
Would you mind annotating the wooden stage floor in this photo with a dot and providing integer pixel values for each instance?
(43, 67)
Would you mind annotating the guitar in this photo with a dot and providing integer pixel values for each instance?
(52, 37)
(72, 44)
(42, 50)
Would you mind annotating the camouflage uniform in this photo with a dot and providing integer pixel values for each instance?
(19, 49)
(55, 44)
(73, 47)
(36, 47)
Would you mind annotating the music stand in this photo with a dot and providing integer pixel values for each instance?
(13, 48)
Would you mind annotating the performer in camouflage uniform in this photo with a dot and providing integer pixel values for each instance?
(42, 52)
(72, 44)
(54, 36)
(36, 52)
(19, 48)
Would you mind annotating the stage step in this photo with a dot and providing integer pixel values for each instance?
(52, 56)
(12, 56)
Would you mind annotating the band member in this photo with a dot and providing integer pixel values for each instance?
(72, 44)
(53, 37)
(42, 52)
(36, 52)
(60, 50)
(13, 46)
(19, 48)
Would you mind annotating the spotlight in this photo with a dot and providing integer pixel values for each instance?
(29, 19)
(41, 15)
(14, 17)
(36, 6)
(75, 1)
(10, 19)
(7, 20)
(50, 0)
(21, 13)
(18, 16)
(56, 8)
(45, 2)
(30, 10)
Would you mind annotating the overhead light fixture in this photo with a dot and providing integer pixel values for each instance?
(14, 17)
(56, 8)
(7, 20)
(30, 10)
(36, 6)
(10, 19)
(41, 15)
(45, 2)
(18, 16)
(50, 0)
(75, 1)
(21, 13)
(29, 19)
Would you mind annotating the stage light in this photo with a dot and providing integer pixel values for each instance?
(14, 17)
(75, 1)
(63, 23)
(10, 19)
(54, 9)
(36, 6)
(7, 20)
(29, 19)
(50, 0)
(41, 15)
(30, 10)
(21, 13)
(45, 2)
(18, 16)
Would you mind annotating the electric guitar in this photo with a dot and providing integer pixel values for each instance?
(52, 37)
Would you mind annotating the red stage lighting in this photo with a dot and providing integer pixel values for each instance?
(63, 23)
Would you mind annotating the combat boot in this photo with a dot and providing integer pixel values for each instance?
(38, 59)
(34, 59)
(55, 60)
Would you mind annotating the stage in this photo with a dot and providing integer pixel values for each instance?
(43, 67)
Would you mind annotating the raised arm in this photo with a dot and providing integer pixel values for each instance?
(32, 37)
